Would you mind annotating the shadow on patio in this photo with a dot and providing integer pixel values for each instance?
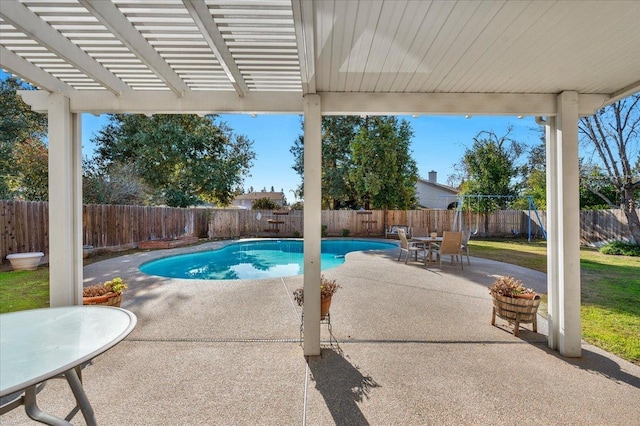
(415, 346)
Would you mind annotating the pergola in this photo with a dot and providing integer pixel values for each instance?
(553, 60)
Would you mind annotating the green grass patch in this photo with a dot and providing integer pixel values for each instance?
(20, 290)
(610, 289)
(532, 255)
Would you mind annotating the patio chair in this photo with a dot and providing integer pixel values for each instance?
(409, 247)
(464, 246)
(451, 245)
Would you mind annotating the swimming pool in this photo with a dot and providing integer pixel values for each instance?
(255, 259)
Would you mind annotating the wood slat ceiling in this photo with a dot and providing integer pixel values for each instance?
(373, 46)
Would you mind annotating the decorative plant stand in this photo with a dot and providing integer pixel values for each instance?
(274, 223)
(324, 319)
(516, 310)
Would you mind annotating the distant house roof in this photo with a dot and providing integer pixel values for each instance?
(440, 186)
(257, 195)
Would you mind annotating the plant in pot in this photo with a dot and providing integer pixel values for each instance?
(108, 293)
(514, 303)
(327, 289)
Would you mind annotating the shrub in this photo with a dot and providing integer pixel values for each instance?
(621, 248)
(345, 232)
(115, 285)
(297, 206)
(323, 231)
(264, 204)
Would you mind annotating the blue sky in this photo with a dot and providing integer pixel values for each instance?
(438, 142)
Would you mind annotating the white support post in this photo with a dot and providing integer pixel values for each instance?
(312, 222)
(566, 248)
(552, 231)
(65, 203)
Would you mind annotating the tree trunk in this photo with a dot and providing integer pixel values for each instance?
(629, 208)
(486, 224)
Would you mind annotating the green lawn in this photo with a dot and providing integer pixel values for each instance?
(610, 291)
(20, 290)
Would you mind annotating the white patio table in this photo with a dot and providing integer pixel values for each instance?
(39, 344)
(427, 241)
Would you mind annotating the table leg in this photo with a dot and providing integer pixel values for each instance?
(83, 402)
(33, 411)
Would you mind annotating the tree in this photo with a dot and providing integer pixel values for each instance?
(343, 186)
(116, 184)
(337, 134)
(535, 176)
(31, 178)
(184, 158)
(491, 169)
(613, 134)
(384, 174)
(18, 125)
(264, 204)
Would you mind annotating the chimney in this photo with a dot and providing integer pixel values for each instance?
(433, 176)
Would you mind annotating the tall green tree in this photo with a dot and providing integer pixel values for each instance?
(535, 176)
(185, 159)
(337, 134)
(30, 180)
(491, 168)
(384, 174)
(613, 134)
(348, 175)
(18, 125)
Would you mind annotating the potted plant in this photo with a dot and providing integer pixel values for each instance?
(514, 303)
(327, 289)
(108, 293)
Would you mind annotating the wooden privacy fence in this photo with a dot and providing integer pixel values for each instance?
(24, 225)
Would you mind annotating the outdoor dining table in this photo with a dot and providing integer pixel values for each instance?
(427, 240)
(39, 344)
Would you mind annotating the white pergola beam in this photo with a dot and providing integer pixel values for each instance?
(65, 203)
(200, 102)
(44, 34)
(111, 17)
(451, 103)
(624, 92)
(303, 23)
(30, 73)
(164, 102)
(312, 222)
(203, 19)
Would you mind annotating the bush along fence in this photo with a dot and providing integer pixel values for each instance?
(24, 225)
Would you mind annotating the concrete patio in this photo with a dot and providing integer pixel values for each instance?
(415, 347)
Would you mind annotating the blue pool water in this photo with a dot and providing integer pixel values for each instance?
(255, 259)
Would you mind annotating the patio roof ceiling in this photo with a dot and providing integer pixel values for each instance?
(362, 56)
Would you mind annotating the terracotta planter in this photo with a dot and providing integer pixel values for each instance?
(325, 304)
(25, 261)
(109, 299)
(516, 310)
